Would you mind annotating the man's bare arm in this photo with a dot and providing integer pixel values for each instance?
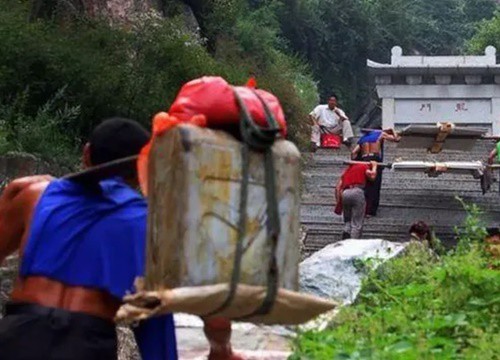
(338, 190)
(371, 174)
(394, 137)
(492, 155)
(16, 204)
(355, 152)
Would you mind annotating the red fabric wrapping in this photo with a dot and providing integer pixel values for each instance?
(332, 141)
(214, 98)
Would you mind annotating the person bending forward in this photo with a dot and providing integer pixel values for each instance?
(350, 196)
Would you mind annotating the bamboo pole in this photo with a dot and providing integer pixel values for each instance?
(99, 172)
(353, 162)
(383, 130)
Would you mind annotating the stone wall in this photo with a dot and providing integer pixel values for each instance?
(14, 165)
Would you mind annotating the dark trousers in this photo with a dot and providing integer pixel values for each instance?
(372, 188)
(32, 332)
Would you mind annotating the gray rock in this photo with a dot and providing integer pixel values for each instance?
(333, 272)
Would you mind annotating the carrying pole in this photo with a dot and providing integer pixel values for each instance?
(491, 137)
(353, 162)
(97, 173)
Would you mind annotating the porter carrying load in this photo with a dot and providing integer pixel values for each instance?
(442, 136)
(223, 228)
(476, 169)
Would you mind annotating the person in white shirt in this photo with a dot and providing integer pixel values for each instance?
(329, 118)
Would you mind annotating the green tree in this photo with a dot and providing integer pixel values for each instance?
(337, 36)
(488, 33)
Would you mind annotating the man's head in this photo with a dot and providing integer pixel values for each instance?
(113, 139)
(421, 230)
(332, 101)
(493, 235)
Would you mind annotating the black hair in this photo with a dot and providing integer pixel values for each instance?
(493, 231)
(117, 138)
(333, 95)
(421, 229)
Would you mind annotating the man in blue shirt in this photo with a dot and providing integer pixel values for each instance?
(81, 247)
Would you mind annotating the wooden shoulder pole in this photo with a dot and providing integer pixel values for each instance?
(352, 162)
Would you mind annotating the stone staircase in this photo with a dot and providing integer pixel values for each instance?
(406, 197)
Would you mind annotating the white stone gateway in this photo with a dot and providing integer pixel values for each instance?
(464, 90)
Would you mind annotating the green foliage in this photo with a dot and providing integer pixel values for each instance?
(337, 36)
(256, 44)
(293, 47)
(47, 133)
(488, 33)
(107, 71)
(419, 307)
(473, 229)
(137, 70)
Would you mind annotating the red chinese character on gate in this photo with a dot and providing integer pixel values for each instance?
(461, 106)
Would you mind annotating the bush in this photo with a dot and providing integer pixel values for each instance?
(47, 134)
(488, 33)
(133, 71)
(419, 307)
(256, 44)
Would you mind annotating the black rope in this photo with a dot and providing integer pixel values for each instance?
(259, 139)
(238, 253)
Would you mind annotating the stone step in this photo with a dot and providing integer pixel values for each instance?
(377, 227)
(458, 188)
(323, 160)
(330, 176)
(425, 213)
(395, 190)
(322, 229)
(406, 197)
(441, 202)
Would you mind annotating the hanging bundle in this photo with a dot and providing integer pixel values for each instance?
(223, 228)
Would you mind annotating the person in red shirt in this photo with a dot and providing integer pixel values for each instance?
(350, 196)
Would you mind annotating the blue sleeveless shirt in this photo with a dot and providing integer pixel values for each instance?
(97, 240)
(371, 137)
